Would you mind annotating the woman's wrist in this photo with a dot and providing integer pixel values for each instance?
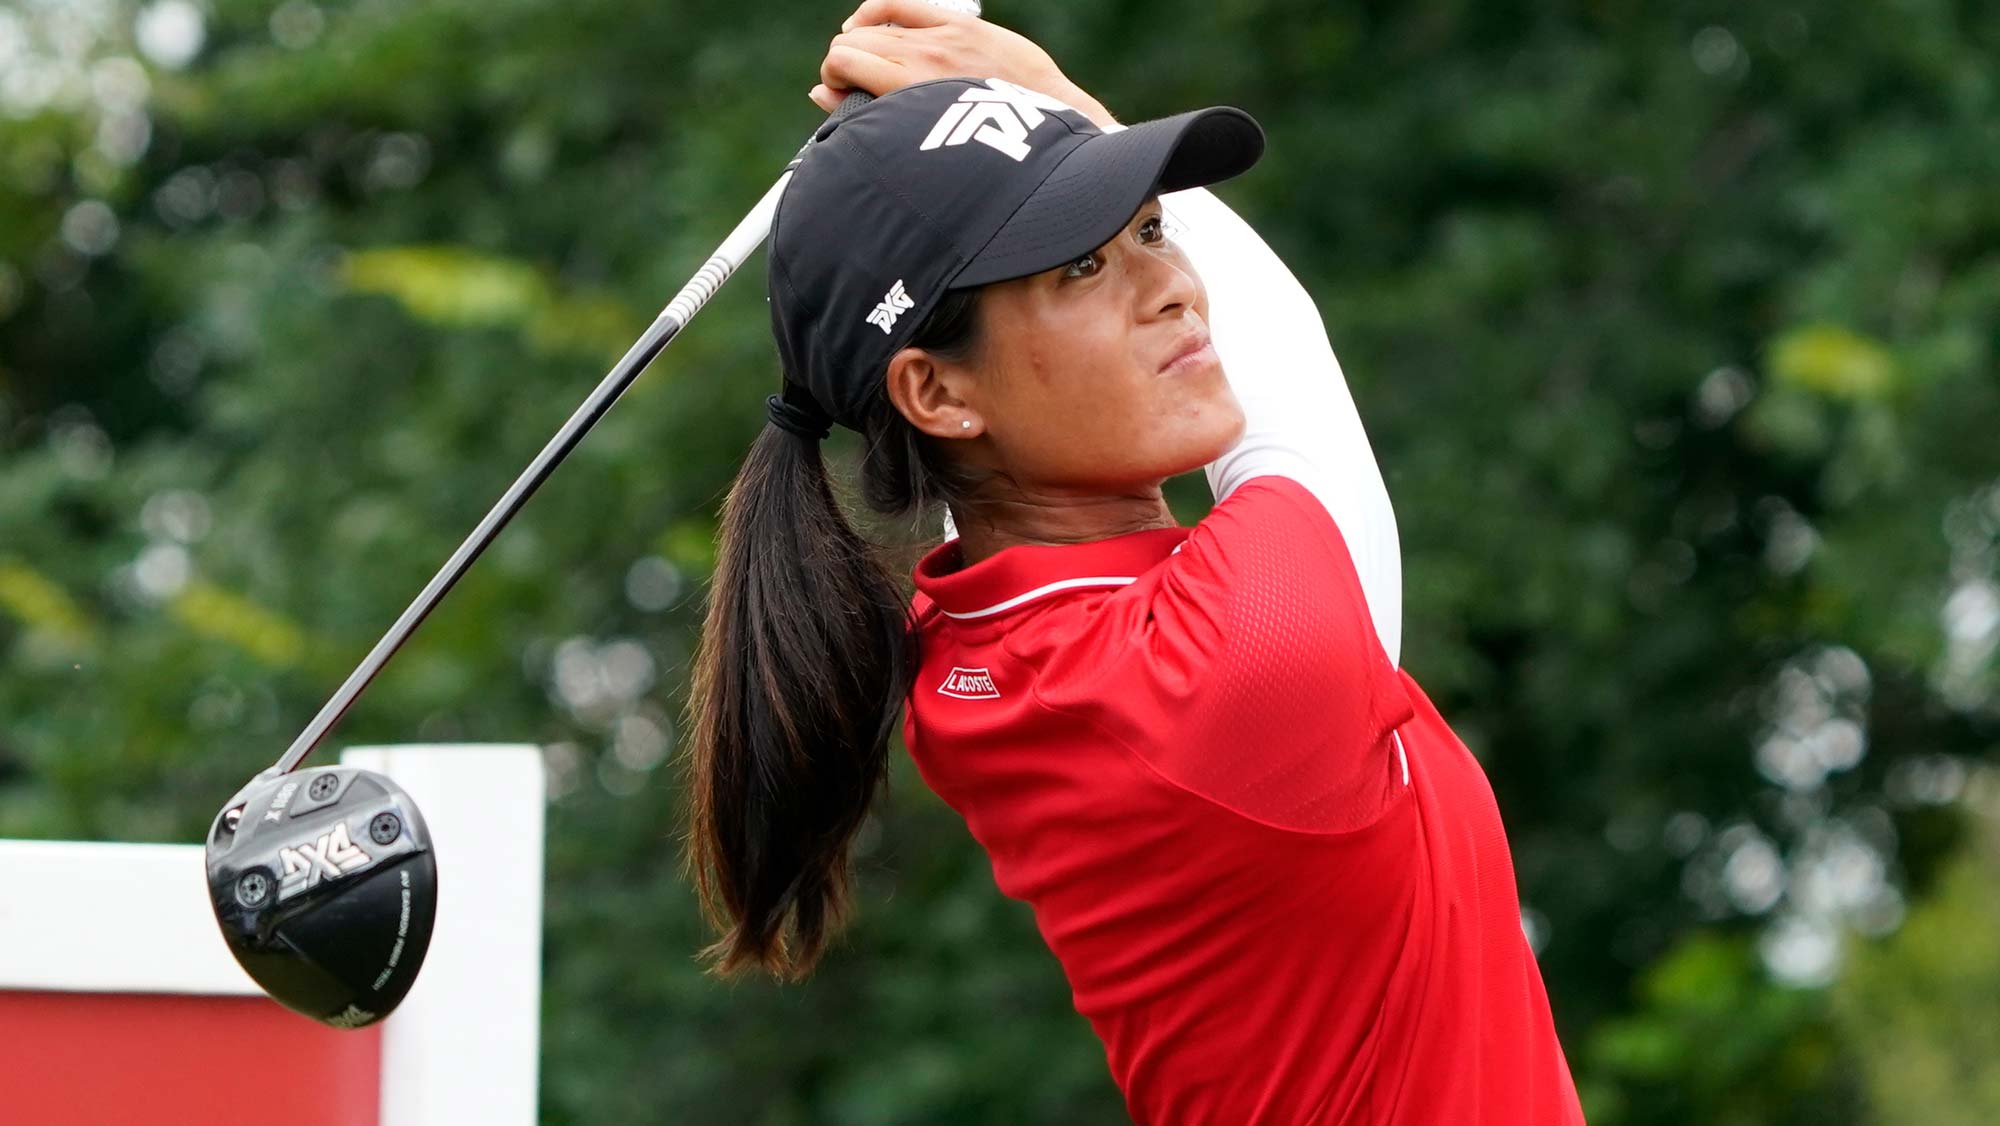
(1088, 106)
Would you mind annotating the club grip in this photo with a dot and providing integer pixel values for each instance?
(850, 105)
(859, 98)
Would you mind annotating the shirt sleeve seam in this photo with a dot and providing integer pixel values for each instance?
(1298, 497)
(1104, 732)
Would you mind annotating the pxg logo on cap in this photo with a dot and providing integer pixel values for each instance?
(1001, 116)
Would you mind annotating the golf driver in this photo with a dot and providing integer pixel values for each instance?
(324, 883)
(326, 889)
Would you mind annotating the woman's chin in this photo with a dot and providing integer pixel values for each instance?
(1223, 424)
(1208, 444)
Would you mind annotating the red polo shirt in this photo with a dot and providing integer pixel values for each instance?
(1275, 879)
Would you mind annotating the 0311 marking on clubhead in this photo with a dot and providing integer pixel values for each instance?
(278, 804)
(332, 856)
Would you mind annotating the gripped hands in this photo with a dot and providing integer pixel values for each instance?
(928, 42)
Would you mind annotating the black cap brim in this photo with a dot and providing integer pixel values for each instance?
(1100, 185)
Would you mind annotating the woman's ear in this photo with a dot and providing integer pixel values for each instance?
(927, 391)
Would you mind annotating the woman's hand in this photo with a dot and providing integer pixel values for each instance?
(931, 42)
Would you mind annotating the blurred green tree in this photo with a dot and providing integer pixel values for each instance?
(1674, 327)
(1920, 1007)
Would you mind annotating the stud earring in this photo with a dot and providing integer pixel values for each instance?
(965, 424)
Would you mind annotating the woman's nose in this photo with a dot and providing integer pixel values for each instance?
(1172, 284)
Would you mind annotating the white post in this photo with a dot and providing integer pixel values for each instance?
(88, 917)
(464, 1045)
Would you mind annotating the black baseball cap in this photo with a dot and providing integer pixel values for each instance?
(950, 184)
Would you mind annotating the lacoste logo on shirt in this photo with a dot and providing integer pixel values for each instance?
(884, 315)
(969, 684)
(999, 117)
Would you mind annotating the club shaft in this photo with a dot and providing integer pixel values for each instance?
(727, 259)
(678, 312)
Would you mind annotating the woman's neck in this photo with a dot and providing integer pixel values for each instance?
(992, 524)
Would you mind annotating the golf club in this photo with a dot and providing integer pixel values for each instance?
(325, 884)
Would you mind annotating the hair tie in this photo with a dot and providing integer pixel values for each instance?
(805, 419)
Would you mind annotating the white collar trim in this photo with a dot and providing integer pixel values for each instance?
(1065, 584)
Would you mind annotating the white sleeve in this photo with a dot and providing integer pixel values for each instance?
(1300, 420)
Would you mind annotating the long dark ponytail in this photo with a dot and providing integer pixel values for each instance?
(799, 678)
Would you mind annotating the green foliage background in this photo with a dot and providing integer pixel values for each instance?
(1674, 326)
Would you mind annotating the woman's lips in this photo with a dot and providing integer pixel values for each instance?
(1193, 353)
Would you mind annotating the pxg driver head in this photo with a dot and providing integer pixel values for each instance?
(325, 886)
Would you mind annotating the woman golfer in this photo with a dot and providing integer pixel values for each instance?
(1275, 879)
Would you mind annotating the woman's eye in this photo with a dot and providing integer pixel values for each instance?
(1087, 264)
(1153, 230)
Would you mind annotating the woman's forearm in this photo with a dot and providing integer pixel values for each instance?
(1300, 418)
